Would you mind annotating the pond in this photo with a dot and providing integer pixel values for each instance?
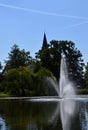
(44, 114)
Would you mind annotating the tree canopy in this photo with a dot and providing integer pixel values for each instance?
(86, 74)
(27, 76)
(74, 60)
(50, 58)
(18, 58)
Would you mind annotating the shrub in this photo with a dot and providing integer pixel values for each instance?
(18, 81)
(21, 82)
(41, 88)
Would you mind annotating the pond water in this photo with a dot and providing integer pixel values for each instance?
(44, 114)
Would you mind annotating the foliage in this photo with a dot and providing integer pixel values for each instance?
(40, 85)
(4, 94)
(18, 58)
(74, 61)
(0, 66)
(50, 58)
(86, 74)
(83, 91)
(18, 81)
(37, 66)
(21, 82)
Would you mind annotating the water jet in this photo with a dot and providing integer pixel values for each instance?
(64, 88)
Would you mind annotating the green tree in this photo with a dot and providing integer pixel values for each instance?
(21, 82)
(86, 74)
(50, 58)
(1, 70)
(18, 58)
(18, 81)
(74, 60)
(0, 66)
(41, 86)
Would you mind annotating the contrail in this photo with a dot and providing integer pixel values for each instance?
(75, 25)
(42, 12)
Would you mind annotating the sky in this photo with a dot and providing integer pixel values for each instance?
(23, 22)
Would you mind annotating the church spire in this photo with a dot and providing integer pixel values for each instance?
(45, 44)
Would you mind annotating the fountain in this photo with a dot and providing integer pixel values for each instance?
(66, 88)
(66, 91)
(65, 104)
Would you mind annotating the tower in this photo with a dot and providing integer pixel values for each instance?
(45, 44)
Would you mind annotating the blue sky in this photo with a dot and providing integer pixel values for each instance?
(23, 22)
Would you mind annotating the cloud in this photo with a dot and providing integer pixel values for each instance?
(75, 25)
(42, 12)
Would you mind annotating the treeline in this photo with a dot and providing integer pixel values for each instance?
(26, 76)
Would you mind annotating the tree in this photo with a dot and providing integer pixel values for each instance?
(18, 58)
(86, 74)
(74, 61)
(41, 86)
(0, 66)
(18, 81)
(21, 82)
(50, 58)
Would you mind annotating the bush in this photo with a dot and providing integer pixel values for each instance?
(21, 82)
(41, 88)
(18, 81)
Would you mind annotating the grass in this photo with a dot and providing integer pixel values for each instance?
(82, 91)
(79, 91)
(4, 94)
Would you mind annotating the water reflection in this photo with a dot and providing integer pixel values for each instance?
(65, 114)
(84, 116)
(2, 124)
(25, 115)
(54, 116)
(67, 111)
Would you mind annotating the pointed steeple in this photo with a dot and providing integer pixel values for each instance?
(45, 44)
